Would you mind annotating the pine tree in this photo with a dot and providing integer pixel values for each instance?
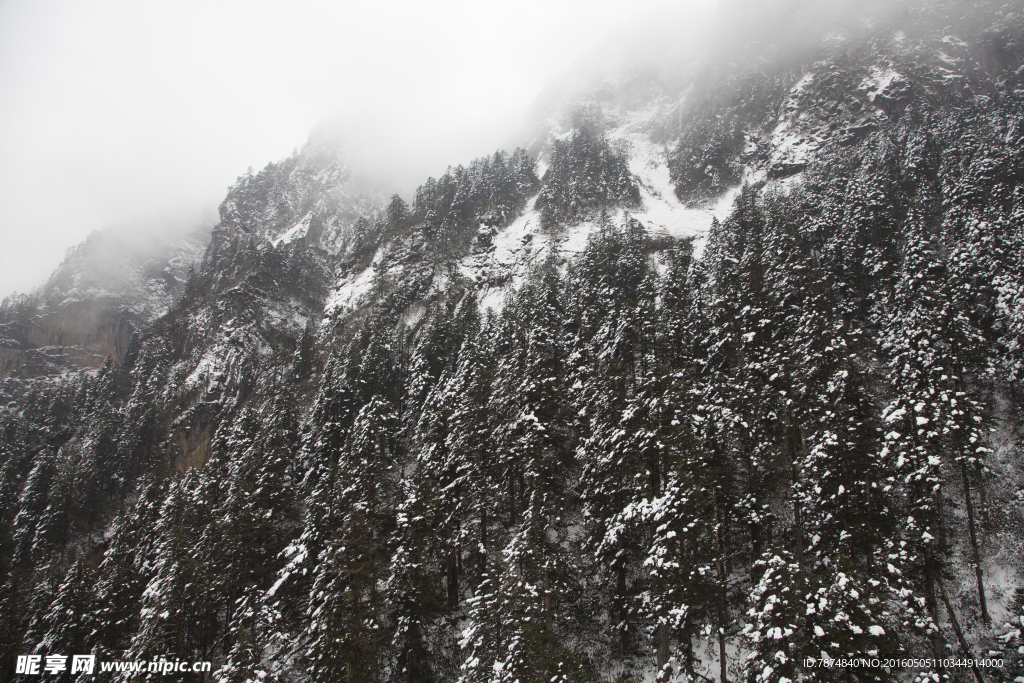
(847, 617)
(347, 611)
(680, 562)
(256, 520)
(914, 417)
(124, 572)
(470, 443)
(69, 622)
(305, 353)
(424, 648)
(174, 606)
(536, 574)
(776, 627)
(397, 212)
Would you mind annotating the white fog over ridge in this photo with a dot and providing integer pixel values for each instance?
(119, 113)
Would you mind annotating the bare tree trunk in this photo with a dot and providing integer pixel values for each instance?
(974, 544)
(687, 635)
(798, 530)
(620, 607)
(229, 614)
(688, 658)
(483, 541)
(663, 651)
(755, 527)
(932, 603)
(720, 566)
(549, 618)
(959, 634)
(654, 467)
(452, 569)
(981, 494)
(940, 505)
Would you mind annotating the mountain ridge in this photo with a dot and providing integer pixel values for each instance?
(718, 380)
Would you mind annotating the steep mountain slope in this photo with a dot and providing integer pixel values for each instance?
(115, 283)
(721, 379)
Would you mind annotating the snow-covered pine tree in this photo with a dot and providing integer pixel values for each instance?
(776, 618)
(176, 615)
(256, 521)
(125, 571)
(913, 451)
(348, 618)
(424, 648)
(535, 580)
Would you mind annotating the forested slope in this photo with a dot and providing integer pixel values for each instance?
(532, 425)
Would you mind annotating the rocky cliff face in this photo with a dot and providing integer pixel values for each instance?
(108, 288)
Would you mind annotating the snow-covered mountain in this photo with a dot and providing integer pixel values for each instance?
(716, 374)
(112, 285)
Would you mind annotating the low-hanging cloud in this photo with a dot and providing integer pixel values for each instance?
(115, 109)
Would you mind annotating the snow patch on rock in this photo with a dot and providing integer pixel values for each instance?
(878, 80)
(350, 289)
(295, 232)
(518, 248)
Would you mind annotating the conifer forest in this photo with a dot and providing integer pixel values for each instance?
(716, 378)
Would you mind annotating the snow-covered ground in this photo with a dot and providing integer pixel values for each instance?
(295, 232)
(662, 212)
(517, 248)
(521, 245)
(878, 80)
(350, 289)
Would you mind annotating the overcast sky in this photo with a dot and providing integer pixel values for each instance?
(111, 109)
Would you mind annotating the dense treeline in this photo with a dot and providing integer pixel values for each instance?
(454, 214)
(492, 190)
(645, 460)
(662, 458)
(585, 176)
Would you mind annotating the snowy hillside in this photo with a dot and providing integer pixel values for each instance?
(717, 377)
